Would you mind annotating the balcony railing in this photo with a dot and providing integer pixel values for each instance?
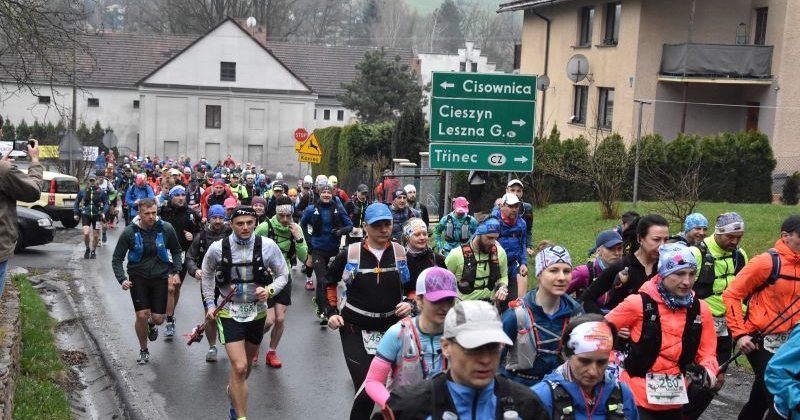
(717, 61)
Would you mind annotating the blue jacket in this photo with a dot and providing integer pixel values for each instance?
(514, 240)
(325, 239)
(398, 218)
(135, 193)
(783, 376)
(545, 361)
(545, 393)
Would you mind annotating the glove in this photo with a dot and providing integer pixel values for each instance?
(700, 376)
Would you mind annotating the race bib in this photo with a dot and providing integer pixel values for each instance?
(663, 389)
(371, 340)
(243, 312)
(721, 326)
(773, 341)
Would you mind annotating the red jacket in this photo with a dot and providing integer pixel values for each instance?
(629, 314)
(204, 198)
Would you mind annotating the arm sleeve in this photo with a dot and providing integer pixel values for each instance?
(628, 403)
(105, 203)
(707, 352)
(175, 249)
(438, 232)
(347, 224)
(332, 278)
(503, 257)
(129, 197)
(301, 249)
(523, 254)
(375, 384)
(76, 208)
(603, 284)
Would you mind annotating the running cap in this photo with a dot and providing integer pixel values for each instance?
(552, 255)
(436, 283)
(473, 323)
(277, 187)
(694, 220)
(674, 257)
(92, 177)
(606, 238)
(514, 182)
(333, 179)
(376, 212)
(410, 188)
(362, 188)
(729, 223)
(461, 205)
(510, 199)
(174, 172)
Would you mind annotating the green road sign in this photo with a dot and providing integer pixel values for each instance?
(482, 157)
(483, 86)
(474, 120)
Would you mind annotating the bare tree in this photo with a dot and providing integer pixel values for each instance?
(395, 27)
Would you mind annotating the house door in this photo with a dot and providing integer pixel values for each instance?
(213, 153)
(752, 116)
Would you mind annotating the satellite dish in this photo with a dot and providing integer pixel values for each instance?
(251, 22)
(577, 68)
(542, 83)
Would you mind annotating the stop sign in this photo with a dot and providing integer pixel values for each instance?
(300, 134)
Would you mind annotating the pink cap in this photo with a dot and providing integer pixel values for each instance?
(461, 205)
(230, 203)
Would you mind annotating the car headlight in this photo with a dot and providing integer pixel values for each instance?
(47, 222)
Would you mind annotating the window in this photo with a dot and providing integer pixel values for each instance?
(94, 102)
(760, 37)
(605, 108)
(462, 66)
(213, 116)
(136, 104)
(44, 100)
(587, 20)
(613, 11)
(227, 71)
(326, 115)
(579, 104)
(340, 115)
(315, 114)
(474, 67)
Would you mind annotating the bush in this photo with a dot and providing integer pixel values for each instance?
(790, 187)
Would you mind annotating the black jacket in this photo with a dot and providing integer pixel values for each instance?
(183, 219)
(638, 276)
(432, 398)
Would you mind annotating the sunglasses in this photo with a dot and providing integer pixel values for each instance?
(488, 348)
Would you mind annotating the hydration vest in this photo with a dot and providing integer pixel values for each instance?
(643, 353)
(704, 286)
(412, 367)
(352, 268)
(316, 219)
(260, 275)
(562, 403)
(449, 229)
(522, 355)
(135, 254)
(466, 284)
(93, 200)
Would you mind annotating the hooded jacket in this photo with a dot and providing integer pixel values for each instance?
(629, 314)
(325, 239)
(135, 193)
(514, 239)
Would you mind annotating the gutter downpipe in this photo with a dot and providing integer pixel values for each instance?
(546, 63)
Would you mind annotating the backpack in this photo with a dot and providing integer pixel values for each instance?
(643, 353)
(704, 286)
(466, 284)
(352, 268)
(412, 367)
(562, 403)
(260, 275)
(774, 275)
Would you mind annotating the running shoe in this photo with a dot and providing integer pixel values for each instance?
(152, 332)
(272, 359)
(105, 238)
(92, 255)
(323, 320)
(86, 254)
(211, 356)
(309, 285)
(169, 330)
(144, 357)
(231, 412)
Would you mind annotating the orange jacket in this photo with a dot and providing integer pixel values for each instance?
(769, 302)
(629, 314)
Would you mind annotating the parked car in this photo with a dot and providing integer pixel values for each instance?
(58, 196)
(34, 227)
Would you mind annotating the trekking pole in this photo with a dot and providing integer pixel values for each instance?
(759, 336)
(197, 332)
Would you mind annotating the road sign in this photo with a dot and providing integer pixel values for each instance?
(309, 158)
(300, 136)
(484, 108)
(482, 157)
(310, 147)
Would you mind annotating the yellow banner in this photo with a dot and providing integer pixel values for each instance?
(48, 152)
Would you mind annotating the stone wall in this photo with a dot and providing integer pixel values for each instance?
(10, 325)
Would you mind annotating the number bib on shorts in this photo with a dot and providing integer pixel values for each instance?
(773, 341)
(244, 312)
(663, 389)
(371, 340)
(721, 326)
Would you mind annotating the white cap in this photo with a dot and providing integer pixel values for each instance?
(473, 323)
(514, 182)
(410, 187)
(510, 199)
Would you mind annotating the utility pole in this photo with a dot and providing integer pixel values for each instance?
(641, 103)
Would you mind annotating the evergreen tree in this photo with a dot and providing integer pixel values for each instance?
(408, 137)
(383, 88)
(9, 131)
(23, 131)
(452, 31)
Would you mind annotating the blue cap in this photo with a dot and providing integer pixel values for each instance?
(377, 212)
(489, 225)
(216, 211)
(606, 238)
(694, 220)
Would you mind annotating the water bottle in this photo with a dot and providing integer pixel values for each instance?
(510, 415)
(449, 415)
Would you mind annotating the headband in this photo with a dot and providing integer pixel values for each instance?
(283, 209)
(591, 336)
(413, 226)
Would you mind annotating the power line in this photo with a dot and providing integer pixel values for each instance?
(715, 104)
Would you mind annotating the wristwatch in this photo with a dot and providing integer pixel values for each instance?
(299, 241)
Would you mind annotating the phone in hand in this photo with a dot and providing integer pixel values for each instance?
(32, 143)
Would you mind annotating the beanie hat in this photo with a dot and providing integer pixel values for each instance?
(258, 200)
(674, 257)
(176, 190)
(694, 220)
(229, 203)
(552, 255)
(216, 211)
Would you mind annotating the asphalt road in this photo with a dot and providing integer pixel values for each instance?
(178, 383)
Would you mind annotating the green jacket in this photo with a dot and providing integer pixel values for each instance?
(151, 266)
(455, 263)
(723, 272)
(283, 237)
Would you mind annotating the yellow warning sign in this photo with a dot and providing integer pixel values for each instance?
(309, 158)
(310, 147)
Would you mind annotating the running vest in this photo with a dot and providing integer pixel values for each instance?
(522, 355)
(412, 367)
(260, 275)
(449, 229)
(704, 286)
(93, 200)
(562, 403)
(316, 219)
(643, 353)
(135, 253)
(193, 195)
(351, 269)
(466, 284)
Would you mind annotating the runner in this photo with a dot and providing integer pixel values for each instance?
(91, 206)
(242, 262)
(480, 265)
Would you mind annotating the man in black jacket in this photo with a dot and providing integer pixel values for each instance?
(472, 341)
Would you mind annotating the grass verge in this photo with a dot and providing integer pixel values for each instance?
(40, 392)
